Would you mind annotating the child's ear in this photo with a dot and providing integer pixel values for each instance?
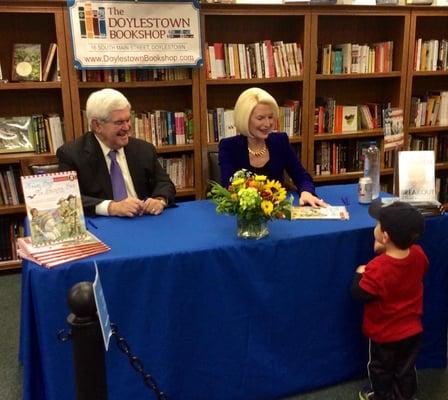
(386, 237)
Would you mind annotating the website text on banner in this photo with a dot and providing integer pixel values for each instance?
(130, 34)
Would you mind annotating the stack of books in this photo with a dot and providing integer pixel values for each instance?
(57, 224)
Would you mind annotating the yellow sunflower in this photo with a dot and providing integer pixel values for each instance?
(267, 207)
(277, 190)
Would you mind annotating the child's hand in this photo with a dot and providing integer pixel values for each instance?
(361, 269)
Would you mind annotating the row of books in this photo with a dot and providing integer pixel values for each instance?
(438, 143)
(10, 188)
(265, 59)
(430, 109)
(27, 63)
(431, 55)
(442, 188)
(330, 117)
(133, 75)
(11, 228)
(180, 170)
(339, 157)
(220, 121)
(38, 133)
(353, 58)
(160, 127)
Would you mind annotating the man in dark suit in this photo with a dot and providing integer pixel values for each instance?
(118, 174)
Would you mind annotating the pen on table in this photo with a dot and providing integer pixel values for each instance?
(345, 200)
(89, 222)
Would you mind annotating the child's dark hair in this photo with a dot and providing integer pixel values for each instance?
(403, 223)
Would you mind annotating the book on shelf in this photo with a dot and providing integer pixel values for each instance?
(329, 212)
(16, 135)
(416, 173)
(56, 218)
(49, 62)
(393, 128)
(26, 62)
(349, 119)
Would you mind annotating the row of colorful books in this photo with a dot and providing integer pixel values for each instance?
(10, 188)
(330, 117)
(265, 59)
(11, 228)
(220, 121)
(180, 170)
(430, 109)
(133, 75)
(354, 58)
(339, 157)
(438, 143)
(27, 63)
(38, 133)
(160, 127)
(431, 55)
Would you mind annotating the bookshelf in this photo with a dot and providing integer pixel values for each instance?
(247, 25)
(23, 22)
(148, 95)
(426, 81)
(334, 157)
(310, 26)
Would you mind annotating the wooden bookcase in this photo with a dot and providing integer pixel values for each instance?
(171, 95)
(46, 21)
(222, 23)
(26, 22)
(360, 25)
(427, 24)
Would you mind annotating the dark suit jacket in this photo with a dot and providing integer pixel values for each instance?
(84, 155)
(233, 156)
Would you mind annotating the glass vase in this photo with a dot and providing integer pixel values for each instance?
(251, 227)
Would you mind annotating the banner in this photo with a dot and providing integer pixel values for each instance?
(135, 33)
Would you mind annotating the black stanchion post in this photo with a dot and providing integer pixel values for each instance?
(88, 346)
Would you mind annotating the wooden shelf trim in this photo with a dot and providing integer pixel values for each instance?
(349, 135)
(230, 81)
(30, 85)
(330, 77)
(136, 84)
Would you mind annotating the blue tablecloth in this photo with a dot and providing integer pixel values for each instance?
(214, 317)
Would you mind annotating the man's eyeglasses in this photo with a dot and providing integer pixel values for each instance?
(121, 122)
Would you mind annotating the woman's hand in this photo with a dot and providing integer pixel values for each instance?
(307, 198)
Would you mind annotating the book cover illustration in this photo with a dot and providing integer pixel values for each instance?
(26, 62)
(416, 172)
(16, 135)
(330, 212)
(54, 208)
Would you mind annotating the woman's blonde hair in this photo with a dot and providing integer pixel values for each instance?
(245, 105)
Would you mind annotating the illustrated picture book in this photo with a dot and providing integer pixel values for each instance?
(56, 218)
(330, 212)
(26, 62)
(16, 135)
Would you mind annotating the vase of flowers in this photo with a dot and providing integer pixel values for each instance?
(254, 200)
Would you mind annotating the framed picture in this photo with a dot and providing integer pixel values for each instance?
(16, 134)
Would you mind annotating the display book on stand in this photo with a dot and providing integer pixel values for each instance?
(415, 180)
(57, 225)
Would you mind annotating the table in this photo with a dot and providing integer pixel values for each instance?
(215, 317)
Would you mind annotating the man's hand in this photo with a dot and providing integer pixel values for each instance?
(154, 206)
(307, 198)
(129, 207)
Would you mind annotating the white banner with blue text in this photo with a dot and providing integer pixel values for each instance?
(133, 34)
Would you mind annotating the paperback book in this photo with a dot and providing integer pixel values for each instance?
(329, 212)
(57, 224)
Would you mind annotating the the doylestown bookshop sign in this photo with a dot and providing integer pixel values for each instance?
(131, 33)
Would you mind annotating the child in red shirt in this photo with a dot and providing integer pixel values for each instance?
(391, 285)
